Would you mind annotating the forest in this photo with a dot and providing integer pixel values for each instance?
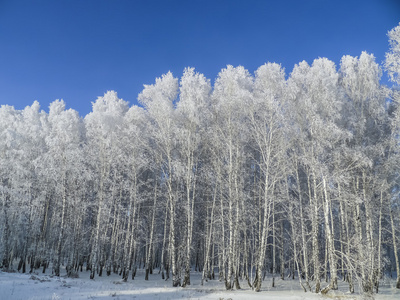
(272, 174)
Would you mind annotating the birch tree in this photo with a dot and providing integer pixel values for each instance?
(267, 120)
(191, 114)
(316, 108)
(366, 118)
(232, 91)
(63, 142)
(102, 125)
(392, 65)
(158, 99)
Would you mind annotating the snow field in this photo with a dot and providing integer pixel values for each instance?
(17, 286)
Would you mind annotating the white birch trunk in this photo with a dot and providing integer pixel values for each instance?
(293, 225)
(264, 237)
(61, 234)
(394, 240)
(190, 210)
(62, 223)
(149, 264)
(95, 253)
(208, 246)
(330, 242)
(315, 246)
(303, 234)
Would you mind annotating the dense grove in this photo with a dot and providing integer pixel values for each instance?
(290, 175)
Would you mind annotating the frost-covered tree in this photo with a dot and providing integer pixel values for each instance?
(268, 135)
(232, 92)
(392, 65)
(103, 126)
(392, 62)
(64, 158)
(254, 176)
(315, 109)
(365, 118)
(158, 100)
(135, 161)
(191, 114)
(8, 147)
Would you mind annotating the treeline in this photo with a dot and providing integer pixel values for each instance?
(260, 174)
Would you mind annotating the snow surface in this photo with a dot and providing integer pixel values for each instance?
(47, 287)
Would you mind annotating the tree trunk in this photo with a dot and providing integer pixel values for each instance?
(273, 244)
(294, 233)
(208, 245)
(190, 216)
(315, 229)
(396, 256)
(96, 243)
(6, 234)
(303, 232)
(163, 249)
(282, 256)
(264, 236)
(176, 281)
(369, 283)
(330, 242)
(61, 234)
(236, 252)
(150, 250)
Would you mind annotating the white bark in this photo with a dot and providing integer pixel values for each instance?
(330, 242)
(395, 249)
(209, 236)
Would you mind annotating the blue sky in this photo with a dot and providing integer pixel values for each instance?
(77, 50)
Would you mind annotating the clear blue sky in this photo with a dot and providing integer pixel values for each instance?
(77, 50)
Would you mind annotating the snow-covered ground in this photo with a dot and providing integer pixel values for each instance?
(15, 286)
